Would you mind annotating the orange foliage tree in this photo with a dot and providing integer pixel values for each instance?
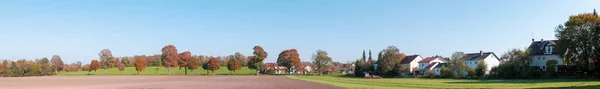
(289, 59)
(192, 63)
(184, 58)
(170, 57)
(140, 64)
(94, 66)
(213, 64)
(233, 64)
(256, 61)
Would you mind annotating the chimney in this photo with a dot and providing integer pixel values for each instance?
(532, 39)
(480, 52)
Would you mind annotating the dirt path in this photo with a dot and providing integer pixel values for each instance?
(158, 82)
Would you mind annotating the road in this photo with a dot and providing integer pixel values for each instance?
(158, 82)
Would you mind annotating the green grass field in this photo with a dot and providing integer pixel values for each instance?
(161, 71)
(416, 83)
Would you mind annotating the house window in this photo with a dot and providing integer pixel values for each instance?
(548, 49)
(544, 67)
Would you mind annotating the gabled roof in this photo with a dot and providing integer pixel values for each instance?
(440, 65)
(409, 59)
(429, 59)
(478, 56)
(536, 47)
(431, 65)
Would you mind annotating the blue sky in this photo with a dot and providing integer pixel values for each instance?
(78, 29)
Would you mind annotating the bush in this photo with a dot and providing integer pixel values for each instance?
(481, 69)
(429, 74)
(471, 73)
(446, 72)
(514, 71)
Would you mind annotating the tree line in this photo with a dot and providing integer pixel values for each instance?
(169, 58)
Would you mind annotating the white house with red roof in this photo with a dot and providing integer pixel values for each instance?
(411, 61)
(430, 62)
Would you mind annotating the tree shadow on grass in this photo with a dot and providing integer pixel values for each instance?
(518, 81)
(572, 87)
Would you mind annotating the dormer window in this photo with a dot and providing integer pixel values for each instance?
(548, 49)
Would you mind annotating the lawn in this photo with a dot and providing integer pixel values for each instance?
(161, 71)
(416, 83)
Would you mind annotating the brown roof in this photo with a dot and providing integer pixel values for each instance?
(536, 47)
(429, 59)
(408, 59)
(431, 65)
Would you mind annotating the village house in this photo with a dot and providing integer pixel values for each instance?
(430, 62)
(472, 59)
(543, 54)
(411, 62)
(437, 68)
(273, 68)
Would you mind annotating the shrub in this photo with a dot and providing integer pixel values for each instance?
(471, 73)
(121, 67)
(429, 74)
(85, 68)
(481, 68)
(446, 72)
(513, 71)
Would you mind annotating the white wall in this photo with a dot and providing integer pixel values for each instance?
(415, 63)
(540, 60)
(491, 61)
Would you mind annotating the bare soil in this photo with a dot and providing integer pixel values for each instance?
(158, 82)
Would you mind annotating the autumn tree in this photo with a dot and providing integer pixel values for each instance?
(389, 61)
(170, 57)
(106, 60)
(192, 63)
(321, 61)
(94, 65)
(213, 64)
(256, 61)
(184, 58)
(580, 42)
(140, 65)
(57, 63)
(233, 65)
(4, 69)
(85, 67)
(121, 67)
(45, 67)
(289, 59)
(241, 58)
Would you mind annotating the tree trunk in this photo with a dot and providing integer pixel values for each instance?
(185, 69)
(169, 70)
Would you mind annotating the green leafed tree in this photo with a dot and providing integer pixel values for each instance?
(580, 42)
(321, 61)
(256, 61)
(481, 68)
